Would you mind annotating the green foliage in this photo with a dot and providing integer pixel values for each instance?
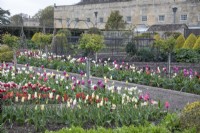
(172, 34)
(65, 31)
(171, 122)
(60, 44)
(145, 54)
(91, 43)
(124, 129)
(6, 56)
(10, 40)
(4, 17)
(187, 55)
(197, 44)
(180, 42)
(131, 48)
(45, 16)
(190, 116)
(94, 30)
(17, 20)
(190, 41)
(4, 48)
(168, 45)
(115, 21)
(42, 39)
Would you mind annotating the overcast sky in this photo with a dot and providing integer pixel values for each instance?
(31, 7)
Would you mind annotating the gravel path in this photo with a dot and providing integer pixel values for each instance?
(176, 99)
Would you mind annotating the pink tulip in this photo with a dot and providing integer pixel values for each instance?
(167, 105)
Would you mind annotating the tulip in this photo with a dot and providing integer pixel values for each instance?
(167, 105)
(42, 107)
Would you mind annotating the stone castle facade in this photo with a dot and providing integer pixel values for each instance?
(135, 12)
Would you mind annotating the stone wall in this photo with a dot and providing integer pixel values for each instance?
(65, 15)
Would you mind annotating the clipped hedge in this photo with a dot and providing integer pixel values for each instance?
(180, 42)
(4, 48)
(197, 44)
(190, 116)
(6, 56)
(190, 41)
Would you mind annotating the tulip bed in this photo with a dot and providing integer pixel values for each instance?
(37, 100)
(181, 80)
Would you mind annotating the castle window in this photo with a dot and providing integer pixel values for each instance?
(184, 17)
(88, 20)
(144, 18)
(128, 19)
(101, 20)
(161, 18)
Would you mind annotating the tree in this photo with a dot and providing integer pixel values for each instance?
(180, 42)
(4, 17)
(46, 16)
(115, 21)
(43, 40)
(190, 41)
(13, 42)
(91, 43)
(17, 20)
(60, 43)
(168, 46)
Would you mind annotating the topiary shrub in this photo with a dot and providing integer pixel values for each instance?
(197, 44)
(131, 48)
(4, 48)
(145, 54)
(190, 116)
(190, 41)
(180, 42)
(6, 56)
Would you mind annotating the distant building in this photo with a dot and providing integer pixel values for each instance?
(31, 22)
(134, 12)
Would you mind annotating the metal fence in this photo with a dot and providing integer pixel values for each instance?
(117, 45)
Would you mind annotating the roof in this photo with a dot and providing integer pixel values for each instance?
(85, 2)
(167, 27)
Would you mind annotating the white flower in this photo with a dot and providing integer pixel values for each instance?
(93, 95)
(113, 106)
(98, 105)
(51, 95)
(35, 95)
(68, 104)
(97, 97)
(36, 107)
(87, 97)
(42, 107)
(57, 96)
(74, 102)
(22, 100)
(29, 96)
(16, 99)
(144, 104)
